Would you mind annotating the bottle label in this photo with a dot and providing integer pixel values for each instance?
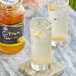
(9, 34)
(9, 2)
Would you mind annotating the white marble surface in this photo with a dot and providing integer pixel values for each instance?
(66, 55)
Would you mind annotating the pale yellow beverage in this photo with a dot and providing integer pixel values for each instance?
(58, 14)
(40, 32)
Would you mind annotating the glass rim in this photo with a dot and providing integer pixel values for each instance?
(38, 18)
(61, 5)
(43, 18)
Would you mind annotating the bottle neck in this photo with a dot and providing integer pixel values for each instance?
(10, 9)
(10, 4)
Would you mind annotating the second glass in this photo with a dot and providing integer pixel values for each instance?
(58, 14)
(40, 32)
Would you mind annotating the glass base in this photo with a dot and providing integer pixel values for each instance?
(40, 67)
(58, 43)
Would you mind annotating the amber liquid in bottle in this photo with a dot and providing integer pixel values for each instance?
(12, 18)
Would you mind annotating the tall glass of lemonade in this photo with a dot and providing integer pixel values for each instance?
(58, 14)
(40, 32)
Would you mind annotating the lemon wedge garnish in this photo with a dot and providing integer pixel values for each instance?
(38, 35)
(51, 8)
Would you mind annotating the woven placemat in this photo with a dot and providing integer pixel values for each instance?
(55, 70)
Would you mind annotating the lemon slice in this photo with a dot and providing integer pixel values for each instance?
(51, 8)
(38, 35)
(21, 39)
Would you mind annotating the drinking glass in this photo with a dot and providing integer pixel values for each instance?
(58, 14)
(40, 34)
